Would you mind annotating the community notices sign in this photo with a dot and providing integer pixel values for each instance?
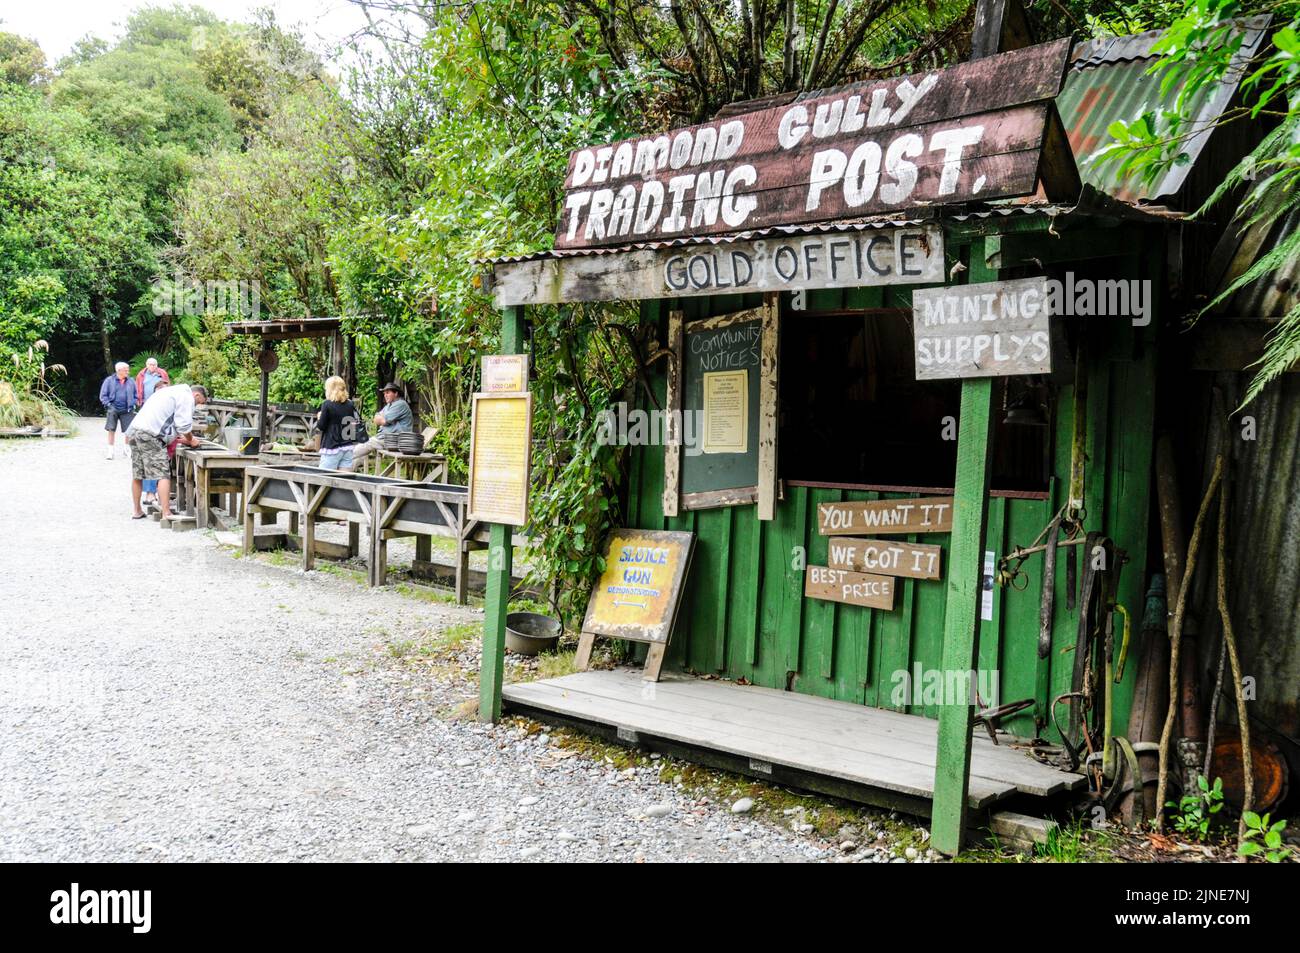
(994, 329)
(500, 436)
(637, 595)
(971, 132)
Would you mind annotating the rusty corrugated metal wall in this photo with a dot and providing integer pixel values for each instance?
(1263, 546)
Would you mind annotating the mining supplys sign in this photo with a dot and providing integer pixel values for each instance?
(973, 131)
(640, 588)
(994, 329)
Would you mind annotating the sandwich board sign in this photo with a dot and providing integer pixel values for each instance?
(638, 593)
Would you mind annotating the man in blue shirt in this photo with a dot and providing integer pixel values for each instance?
(118, 396)
(395, 417)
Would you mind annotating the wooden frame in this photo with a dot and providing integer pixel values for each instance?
(285, 424)
(593, 625)
(765, 490)
(380, 512)
(519, 516)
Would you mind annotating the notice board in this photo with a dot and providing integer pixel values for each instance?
(500, 437)
(720, 414)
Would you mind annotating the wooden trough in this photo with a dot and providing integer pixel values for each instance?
(376, 510)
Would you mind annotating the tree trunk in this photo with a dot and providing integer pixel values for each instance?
(103, 334)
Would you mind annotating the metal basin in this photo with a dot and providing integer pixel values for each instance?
(528, 633)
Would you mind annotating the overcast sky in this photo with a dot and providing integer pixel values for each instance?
(57, 24)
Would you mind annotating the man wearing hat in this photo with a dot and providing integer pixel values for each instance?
(395, 417)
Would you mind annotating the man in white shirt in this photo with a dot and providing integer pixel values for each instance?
(166, 416)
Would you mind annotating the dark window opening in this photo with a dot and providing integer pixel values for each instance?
(853, 414)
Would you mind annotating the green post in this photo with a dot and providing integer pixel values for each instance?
(500, 557)
(965, 572)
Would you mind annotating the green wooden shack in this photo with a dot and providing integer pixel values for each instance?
(824, 693)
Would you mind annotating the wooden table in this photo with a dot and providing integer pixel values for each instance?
(288, 423)
(416, 467)
(204, 474)
(375, 508)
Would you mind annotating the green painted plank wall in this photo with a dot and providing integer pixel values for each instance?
(744, 614)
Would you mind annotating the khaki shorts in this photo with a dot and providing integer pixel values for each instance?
(148, 457)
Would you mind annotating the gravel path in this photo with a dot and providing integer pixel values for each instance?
(163, 700)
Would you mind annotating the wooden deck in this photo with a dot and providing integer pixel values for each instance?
(868, 754)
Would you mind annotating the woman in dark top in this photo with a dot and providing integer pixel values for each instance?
(338, 423)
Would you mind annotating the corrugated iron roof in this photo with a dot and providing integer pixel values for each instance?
(1108, 81)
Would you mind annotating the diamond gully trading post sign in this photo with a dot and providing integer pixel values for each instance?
(971, 132)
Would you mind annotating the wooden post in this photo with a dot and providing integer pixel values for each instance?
(965, 573)
(768, 407)
(673, 407)
(247, 518)
(352, 365)
(499, 565)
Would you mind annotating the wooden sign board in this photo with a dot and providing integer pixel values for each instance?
(637, 595)
(885, 556)
(851, 258)
(931, 514)
(994, 329)
(974, 131)
(501, 427)
(504, 373)
(853, 588)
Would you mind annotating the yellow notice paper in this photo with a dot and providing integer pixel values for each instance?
(498, 468)
(726, 412)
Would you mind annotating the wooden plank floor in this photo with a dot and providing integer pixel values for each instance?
(864, 746)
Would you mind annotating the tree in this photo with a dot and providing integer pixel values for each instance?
(1198, 52)
(22, 62)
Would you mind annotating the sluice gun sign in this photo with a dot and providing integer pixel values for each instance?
(974, 131)
(636, 596)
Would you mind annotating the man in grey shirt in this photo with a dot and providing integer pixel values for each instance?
(395, 417)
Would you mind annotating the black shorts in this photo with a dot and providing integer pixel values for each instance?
(118, 418)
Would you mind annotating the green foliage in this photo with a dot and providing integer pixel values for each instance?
(209, 358)
(26, 397)
(1199, 51)
(22, 62)
(1196, 810)
(1263, 838)
(1064, 845)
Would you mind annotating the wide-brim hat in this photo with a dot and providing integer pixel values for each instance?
(391, 386)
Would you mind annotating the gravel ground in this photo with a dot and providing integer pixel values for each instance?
(163, 700)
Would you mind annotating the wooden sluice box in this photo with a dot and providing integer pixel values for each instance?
(376, 510)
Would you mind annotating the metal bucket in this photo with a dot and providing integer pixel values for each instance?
(528, 633)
